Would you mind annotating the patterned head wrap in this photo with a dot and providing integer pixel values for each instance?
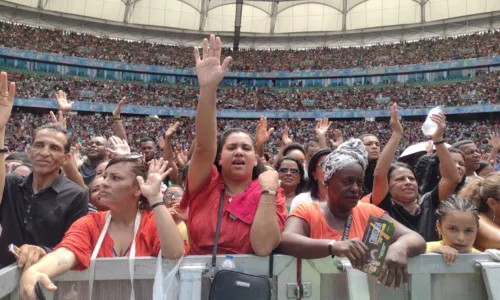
(352, 151)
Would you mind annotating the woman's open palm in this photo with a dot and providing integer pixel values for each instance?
(209, 69)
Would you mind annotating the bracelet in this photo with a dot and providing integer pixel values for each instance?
(157, 204)
(330, 248)
(4, 150)
(439, 143)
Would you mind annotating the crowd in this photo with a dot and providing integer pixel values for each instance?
(142, 186)
(84, 126)
(91, 46)
(483, 90)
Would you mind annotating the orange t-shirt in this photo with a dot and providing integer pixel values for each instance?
(367, 198)
(234, 237)
(81, 238)
(319, 228)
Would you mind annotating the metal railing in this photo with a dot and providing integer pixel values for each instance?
(473, 276)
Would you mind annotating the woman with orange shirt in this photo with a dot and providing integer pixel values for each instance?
(143, 229)
(315, 230)
(254, 210)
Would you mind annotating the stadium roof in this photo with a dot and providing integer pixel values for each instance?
(268, 16)
(263, 24)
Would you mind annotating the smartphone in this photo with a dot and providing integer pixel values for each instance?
(38, 291)
(14, 250)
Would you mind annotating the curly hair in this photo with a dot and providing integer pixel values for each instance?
(431, 177)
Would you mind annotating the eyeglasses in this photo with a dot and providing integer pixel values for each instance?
(288, 170)
(173, 195)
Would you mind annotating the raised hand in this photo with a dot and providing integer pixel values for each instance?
(285, 138)
(62, 103)
(60, 119)
(7, 93)
(181, 157)
(440, 120)
(494, 141)
(77, 155)
(322, 127)
(262, 134)
(120, 146)
(395, 124)
(209, 69)
(156, 174)
(171, 131)
(118, 110)
(339, 139)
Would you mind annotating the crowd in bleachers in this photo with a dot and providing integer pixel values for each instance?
(86, 45)
(84, 126)
(484, 89)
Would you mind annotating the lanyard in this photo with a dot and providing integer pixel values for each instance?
(131, 260)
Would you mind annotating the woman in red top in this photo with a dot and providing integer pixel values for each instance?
(315, 230)
(123, 187)
(254, 210)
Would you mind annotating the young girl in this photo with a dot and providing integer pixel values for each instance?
(457, 224)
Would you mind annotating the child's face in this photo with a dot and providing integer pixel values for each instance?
(458, 230)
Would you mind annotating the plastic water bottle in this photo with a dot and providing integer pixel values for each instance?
(228, 263)
(429, 127)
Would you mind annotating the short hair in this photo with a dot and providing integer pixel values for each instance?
(462, 143)
(367, 134)
(293, 146)
(22, 156)
(57, 129)
(145, 140)
(454, 203)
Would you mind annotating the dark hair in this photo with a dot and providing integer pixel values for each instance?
(302, 181)
(431, 177)
(22, 156)
(311, 144)
(257, 170)
(421, 168)
(138, 168)
(293, 146)
(145, 140)
(461, 143)
(367, 134)
(312, 183)
(57, 129)
(456, 204)
(481, 190)
(482, 165)
(398, 165)
(175, 186)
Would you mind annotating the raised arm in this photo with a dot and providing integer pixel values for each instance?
(450, 177)
(172, 243)
(71, 170)
(262, 135)
(50, 266)
(210, 73)
(380, 181)
(117, 120)
(495, 146)
(168, 153)
(321, 129)
(7, 93)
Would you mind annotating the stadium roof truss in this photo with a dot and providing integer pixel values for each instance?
(261, 24)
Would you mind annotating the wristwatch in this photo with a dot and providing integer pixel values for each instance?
(4, 150)
(266, 192)
(330, 248)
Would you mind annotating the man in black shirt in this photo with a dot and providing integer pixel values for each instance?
(36, 211)
(96, 153)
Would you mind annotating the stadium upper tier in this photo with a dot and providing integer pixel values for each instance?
(483, 89)
(91, 46)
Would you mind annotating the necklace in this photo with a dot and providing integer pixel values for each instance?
(333, 218)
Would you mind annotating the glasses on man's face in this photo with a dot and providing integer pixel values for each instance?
(173, 195)
(288, 170)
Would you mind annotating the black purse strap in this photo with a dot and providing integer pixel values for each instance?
(217, 232)
(347, 227)
(216, 242)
